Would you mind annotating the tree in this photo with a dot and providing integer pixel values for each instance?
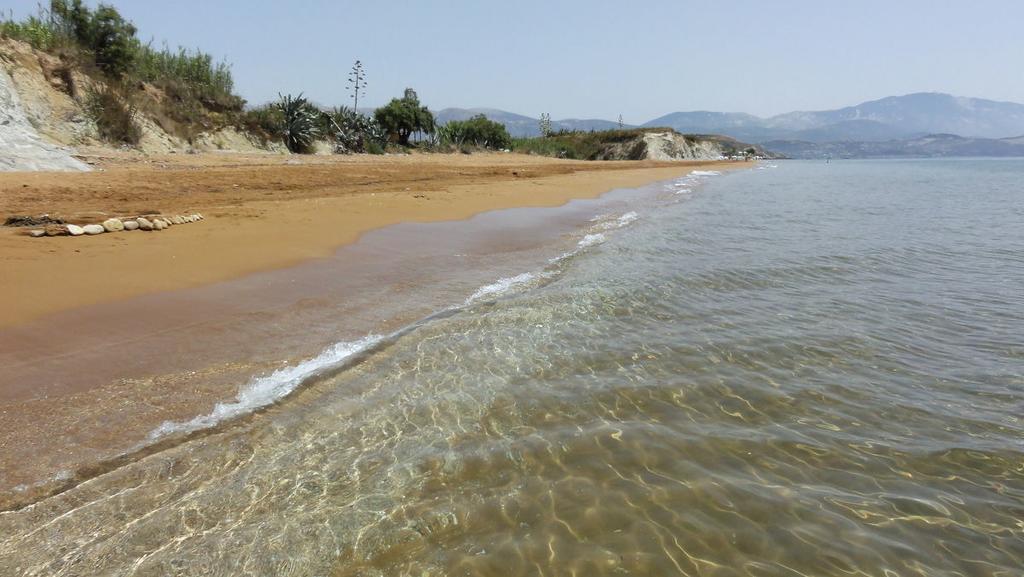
(545, 124)
(402, 117)
(73, 19)
(113, 41)
(105, 33)
(356, 82)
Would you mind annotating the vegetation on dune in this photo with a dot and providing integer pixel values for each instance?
(579, 145)
(114, 113)
(353, 132)
(300, 122)
(187, 92)
(477, 132)
(197, 92)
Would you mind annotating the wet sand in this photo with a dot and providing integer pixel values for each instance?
(86, 384)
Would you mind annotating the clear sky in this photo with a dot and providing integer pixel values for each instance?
(599, 59)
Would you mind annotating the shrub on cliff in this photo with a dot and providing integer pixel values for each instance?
(114, 115)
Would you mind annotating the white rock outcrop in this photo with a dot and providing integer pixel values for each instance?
(23, 148)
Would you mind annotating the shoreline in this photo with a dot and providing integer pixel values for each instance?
(316, 208)
(245, 232)
(84, 384)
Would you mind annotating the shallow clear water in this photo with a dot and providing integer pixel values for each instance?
(805, 370)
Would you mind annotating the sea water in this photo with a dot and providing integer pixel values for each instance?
(807, 369)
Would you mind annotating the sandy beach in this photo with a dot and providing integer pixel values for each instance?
(262, 212)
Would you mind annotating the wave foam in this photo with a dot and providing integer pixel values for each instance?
(705, 173)
(591, 240)
(501, 286)
(267, 390)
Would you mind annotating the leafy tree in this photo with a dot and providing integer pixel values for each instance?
(113, 41)
(105, 33)
(73, 19)
(402, 117)
(299, 122)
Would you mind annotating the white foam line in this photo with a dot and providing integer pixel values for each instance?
(591, 240)
(621, 221)
(705, 173)
(501, 286)
(266, 390)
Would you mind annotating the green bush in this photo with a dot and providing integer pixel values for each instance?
(478, 131)
(265, 122)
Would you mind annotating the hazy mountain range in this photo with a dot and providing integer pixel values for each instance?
(921, 124)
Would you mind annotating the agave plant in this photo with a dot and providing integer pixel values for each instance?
(300, 128)
(353, 132)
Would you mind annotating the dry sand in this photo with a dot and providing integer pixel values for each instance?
(262, 211)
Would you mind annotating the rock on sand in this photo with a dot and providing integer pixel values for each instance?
(94, 229)
(145, 223)
(131, 224)
(113, 225)
(74, 230)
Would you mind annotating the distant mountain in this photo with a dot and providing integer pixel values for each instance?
(923, 112)
(931, 145)
(921, 124)
(895, 117)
